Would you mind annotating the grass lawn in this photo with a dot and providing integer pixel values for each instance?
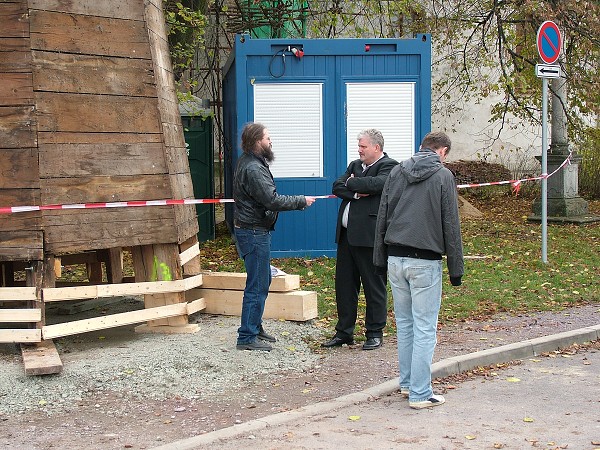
(503, 267)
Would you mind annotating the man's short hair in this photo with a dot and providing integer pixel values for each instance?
(436, 140)
(373, 135)
(251, 134)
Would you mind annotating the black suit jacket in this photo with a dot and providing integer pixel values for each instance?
(363, 211)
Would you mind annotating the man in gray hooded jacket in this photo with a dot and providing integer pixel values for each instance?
(417, 223)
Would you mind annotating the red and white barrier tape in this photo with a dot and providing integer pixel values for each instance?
(191, 201)
(516, 184)
(136, 203)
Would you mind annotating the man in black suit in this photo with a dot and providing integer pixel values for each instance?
(360, 189)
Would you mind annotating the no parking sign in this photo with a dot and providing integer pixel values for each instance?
(549, 42)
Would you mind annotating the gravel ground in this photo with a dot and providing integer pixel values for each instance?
(152, 366)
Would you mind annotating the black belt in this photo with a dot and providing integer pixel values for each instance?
(412, 252)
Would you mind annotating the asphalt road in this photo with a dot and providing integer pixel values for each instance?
(550, 400)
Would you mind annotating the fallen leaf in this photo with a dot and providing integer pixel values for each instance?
(513, 379)
(528, 419)
(354, 418)
(470, 437)
(291, 348)
(498, 445)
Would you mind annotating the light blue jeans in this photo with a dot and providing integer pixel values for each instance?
(417, 290)
(254, 247)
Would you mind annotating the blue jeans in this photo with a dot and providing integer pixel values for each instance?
(254, 247)
(417, 289)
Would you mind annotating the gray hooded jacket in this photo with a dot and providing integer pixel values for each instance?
(419, 208)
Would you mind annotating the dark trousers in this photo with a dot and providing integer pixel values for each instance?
(353, 266)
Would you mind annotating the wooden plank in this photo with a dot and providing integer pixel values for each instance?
(77, 238)
(72, 33)
(41, 358)
(16, 89)
(99, 138)
(20, 221)
(178, 163)
(67, 231)
(114, 159)
(121, 10)
(16, 336)
(91, 113)
(20, 315)
(173, 135)
(19, 168)
(118, 290)
(17, 127)
(113, 320)
(104, 189)
(15, 55)
(8, 294)
(188, 328)
(114, 265)
(94, 272)
(196, 305)
(237, 281)
(165, 266)
(189, 254)
(21, 245)
(93, 74)
(13, 17)
(294, 305)
(186, 230)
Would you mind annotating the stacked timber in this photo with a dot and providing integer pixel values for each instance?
(223, 292)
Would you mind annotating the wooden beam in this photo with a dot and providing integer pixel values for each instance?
(17, 293)
(116, 290)
(237, 281)
(15, 336)
(113, 320)
(20, 315)
(189, 254)
(41, 358)
(195, 306)
(295, 305)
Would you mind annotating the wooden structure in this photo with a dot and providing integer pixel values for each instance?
(222, 293)
(88, 113)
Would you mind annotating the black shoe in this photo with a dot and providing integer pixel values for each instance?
(256, 345)
(337, 341)
(262, 334)
(372, 343)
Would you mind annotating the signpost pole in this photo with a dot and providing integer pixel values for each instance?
(544, 170)
(549, 44)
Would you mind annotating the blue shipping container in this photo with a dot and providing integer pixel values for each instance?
(314, 96)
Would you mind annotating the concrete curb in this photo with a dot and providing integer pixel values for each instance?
(444, 368)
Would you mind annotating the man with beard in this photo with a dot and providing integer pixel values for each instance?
(256, 205)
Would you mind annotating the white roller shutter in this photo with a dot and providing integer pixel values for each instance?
(389, 107)
(293, 114)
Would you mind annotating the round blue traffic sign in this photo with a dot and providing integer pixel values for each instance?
(549, 42)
